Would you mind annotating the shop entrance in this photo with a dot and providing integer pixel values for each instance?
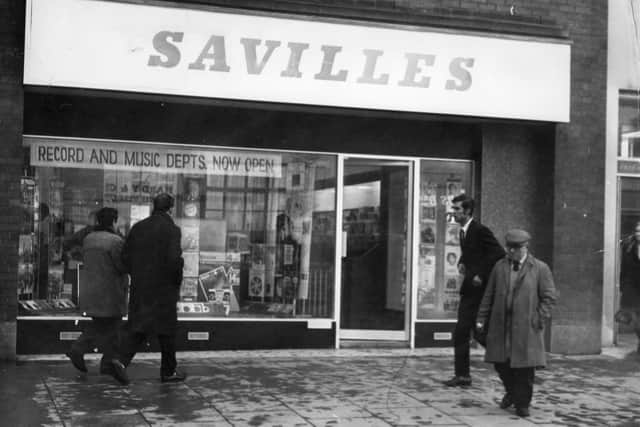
(375, 249)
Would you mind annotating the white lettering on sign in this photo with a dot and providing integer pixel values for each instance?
(216, 53)
(52, 152)
(167, 45)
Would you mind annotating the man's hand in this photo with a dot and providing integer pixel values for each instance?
(477, 281)
(479, 326)
(461, 269)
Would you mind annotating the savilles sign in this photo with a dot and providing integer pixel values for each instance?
(221, 53)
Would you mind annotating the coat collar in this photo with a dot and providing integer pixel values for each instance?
(163, 215)
(528, 263)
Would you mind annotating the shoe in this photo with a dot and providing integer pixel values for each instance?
(458, 381)
(506, 401)
(522, 412)
(77, 359)
(173, 378)
(119, 372)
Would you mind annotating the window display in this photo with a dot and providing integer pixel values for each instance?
(438, 278)
(254, 228)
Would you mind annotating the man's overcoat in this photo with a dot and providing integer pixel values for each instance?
(153, 256)
(105, 293)
(534, 295)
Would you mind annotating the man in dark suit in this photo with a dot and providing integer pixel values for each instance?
(153, 257)
(480, 251)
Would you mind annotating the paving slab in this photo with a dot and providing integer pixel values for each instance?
(318, 388)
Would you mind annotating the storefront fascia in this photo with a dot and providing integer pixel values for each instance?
(239, 62)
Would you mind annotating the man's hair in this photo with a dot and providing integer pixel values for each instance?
(465, 201)
(163, 202)
(106, 217)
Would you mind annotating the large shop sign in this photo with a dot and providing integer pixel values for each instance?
(224, 54)
(59, 153)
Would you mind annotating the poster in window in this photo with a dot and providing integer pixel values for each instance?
(190, 235)
(451, 259)
(191, 262)
(192, 191)
(426, 275)
(256, 281)
(189, 289)
(213, 235)
(428, 232)
(428, 201)
(452, 236)
(451, 292)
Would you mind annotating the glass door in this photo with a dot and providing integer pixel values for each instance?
(376, 246)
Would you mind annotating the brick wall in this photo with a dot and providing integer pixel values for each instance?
(11, 112)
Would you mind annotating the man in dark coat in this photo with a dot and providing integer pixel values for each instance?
(516, 304)
(153, 256)
(480, 251)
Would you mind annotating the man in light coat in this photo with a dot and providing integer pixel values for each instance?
(105, 298)
(518, 300)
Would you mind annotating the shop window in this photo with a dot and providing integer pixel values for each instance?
(628, 262)
(438, 279)
(258, 228)
(629, 124)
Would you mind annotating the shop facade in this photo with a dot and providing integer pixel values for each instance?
(313, 156)
(623, 158)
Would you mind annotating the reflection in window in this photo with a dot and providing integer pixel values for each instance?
(258, 235)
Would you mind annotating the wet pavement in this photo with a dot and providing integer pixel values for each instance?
(319, 388)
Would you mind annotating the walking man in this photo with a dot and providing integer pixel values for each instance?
(105, 299)
(480, 251)
(153, 255)
(518, 300)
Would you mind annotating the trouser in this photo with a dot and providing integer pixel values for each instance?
(467, 312)
(103, 333)
(133, 339)
(518, 383)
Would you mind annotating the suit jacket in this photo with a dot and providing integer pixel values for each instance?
(480, 251)
(534, 295)
(153, 256)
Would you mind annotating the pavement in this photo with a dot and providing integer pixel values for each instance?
(378, 387)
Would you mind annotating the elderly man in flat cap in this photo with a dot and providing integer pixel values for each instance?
(517, 301)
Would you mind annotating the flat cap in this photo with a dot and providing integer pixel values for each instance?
(517, 237)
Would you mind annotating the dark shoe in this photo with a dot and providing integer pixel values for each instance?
(173, 378)
(506, 401)
(77, 359)
(119, 372)
(458, 381)
(522, 412)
